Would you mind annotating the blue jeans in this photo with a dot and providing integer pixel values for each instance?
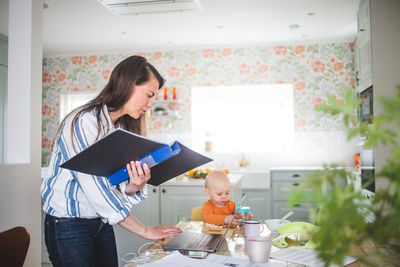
(79, 242)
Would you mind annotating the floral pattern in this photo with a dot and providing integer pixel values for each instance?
(314, 70)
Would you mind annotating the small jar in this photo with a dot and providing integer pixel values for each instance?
(244, 213)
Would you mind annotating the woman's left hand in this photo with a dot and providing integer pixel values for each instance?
(159, 232)
(138, 176)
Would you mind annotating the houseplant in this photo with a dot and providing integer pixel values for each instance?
(341, 209)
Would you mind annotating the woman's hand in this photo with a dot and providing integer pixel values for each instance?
(138, 176)
(160, 232)
(149, 232)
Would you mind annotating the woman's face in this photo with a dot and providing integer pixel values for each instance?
(141, 98)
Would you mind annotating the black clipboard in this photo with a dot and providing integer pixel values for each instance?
(111, 153)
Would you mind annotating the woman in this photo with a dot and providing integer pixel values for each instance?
(81, 208)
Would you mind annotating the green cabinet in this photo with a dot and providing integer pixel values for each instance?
(147, 212)
(177, 202)
(259, 201)
(282, 181)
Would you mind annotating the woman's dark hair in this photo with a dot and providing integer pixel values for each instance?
(134, 70)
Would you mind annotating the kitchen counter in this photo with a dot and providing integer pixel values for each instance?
(304, 168)
(183, 180)
(254, 179)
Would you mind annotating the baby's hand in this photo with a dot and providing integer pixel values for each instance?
(228, 219)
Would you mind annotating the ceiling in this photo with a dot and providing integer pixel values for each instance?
(86, 26)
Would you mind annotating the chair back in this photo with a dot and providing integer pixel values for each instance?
(14, 244)
(197, 215)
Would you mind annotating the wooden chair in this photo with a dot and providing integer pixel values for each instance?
(197, 215)
(14, 244)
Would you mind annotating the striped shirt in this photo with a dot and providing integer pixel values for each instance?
(69, 193)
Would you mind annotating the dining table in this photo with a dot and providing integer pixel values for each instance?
(233, 246)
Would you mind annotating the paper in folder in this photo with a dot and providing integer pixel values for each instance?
(109, 156)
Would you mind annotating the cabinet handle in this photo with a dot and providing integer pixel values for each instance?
(361, 30)
(295, 175)
(163, 190)
(296, 205)
(296, 184)
(154, 190)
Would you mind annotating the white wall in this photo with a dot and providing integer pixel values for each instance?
(385, 38)
(20, 183)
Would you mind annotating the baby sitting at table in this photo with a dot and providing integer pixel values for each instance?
(219, 209)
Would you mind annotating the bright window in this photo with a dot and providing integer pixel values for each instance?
(255, 118)
(69, 101)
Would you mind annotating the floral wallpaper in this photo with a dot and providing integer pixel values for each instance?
(314, 70)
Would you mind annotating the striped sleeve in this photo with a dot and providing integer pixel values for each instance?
(104, 198)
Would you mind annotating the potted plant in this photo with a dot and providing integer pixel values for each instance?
(340, 208)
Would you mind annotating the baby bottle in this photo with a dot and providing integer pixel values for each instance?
(243, 212)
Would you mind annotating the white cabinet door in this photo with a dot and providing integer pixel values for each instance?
(364, 61)
(283, 181)
(177, 202)
(259, 201)
(300, 212)
(148, 212)
(363, 56)
(3, 50)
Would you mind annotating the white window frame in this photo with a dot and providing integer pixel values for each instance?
(72, 100)
(246, 118)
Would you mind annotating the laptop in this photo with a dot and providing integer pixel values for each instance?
(188, 241)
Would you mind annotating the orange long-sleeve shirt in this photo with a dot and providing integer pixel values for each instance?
(216, 215)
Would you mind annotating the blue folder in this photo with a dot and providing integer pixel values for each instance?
(109, 156)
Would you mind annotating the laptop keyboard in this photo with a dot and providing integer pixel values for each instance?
(204, 241)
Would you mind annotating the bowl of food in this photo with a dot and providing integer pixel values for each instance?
(273, 224)
(197, 173)
(200, 173)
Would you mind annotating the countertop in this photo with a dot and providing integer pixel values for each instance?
(305, 168)
(183, 180)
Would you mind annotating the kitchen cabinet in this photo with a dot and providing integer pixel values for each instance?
(3, 90)
(363, 55)
(177, 202)
(147, 212)
(177, 198)
(282, 182)
(3, 50)
(259, 201)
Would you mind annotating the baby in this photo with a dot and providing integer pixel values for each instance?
(219, 209)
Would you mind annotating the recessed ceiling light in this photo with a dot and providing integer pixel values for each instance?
(310, 14)
(45, 6)
(123, 33)
(294, 26)
(220, 27)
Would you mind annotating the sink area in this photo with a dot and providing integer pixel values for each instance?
(254, 179)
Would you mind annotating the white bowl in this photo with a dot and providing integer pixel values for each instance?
(273, 224)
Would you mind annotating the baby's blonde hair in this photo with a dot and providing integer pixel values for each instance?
(215, 176)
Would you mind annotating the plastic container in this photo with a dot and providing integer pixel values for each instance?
(244, 213)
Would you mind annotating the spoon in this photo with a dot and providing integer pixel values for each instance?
(285, 217)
